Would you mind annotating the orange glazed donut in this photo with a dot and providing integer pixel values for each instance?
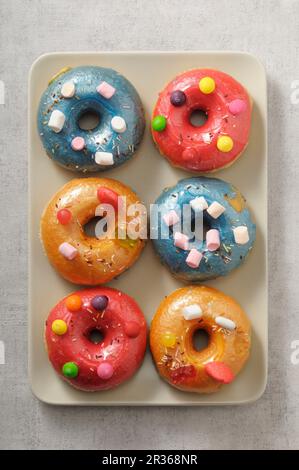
(221, 139)
(80, 258)
(179, 316)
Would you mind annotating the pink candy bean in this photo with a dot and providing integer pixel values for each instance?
(237, 106)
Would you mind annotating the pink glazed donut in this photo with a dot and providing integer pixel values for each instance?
(96, 365)
(221, 139)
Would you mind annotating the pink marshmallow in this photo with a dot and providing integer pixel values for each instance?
(171, 218)
(68, 251)
(237, 106)
(78, 143)
(106, 90)
(181, 241)
(194, 258)
(212, 240)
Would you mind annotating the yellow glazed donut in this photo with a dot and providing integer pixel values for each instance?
(178, 317)
(80, 258)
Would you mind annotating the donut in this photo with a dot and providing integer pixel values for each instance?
(228, 231)
(108, 96)
(77, 256)
(90, 365)
(178, 318)
(221, 139)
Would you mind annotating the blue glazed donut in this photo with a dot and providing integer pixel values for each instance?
(104, 92)
(230, 232)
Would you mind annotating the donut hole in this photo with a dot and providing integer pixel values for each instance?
(95, 336)
(206, 226)
(200, 340)
(90, 227)
(190, 230)
(88, 120)
(198, 117)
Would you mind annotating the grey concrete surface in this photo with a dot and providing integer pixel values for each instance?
(268, 29)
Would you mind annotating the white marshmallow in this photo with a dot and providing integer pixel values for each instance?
(56, 121)
(104, 158)
(199, 204)
(118, 124)
(225, 323)
(192, 311)
(215, 210)
(241, 235)
(68, 89)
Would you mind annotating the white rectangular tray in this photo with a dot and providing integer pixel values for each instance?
(148, 282)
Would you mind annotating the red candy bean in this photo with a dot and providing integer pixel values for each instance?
(64, 216)
(107, 196)
(220, 372)
(132, 329)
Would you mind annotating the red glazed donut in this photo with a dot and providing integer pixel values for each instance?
(221, 139)
(84, 364)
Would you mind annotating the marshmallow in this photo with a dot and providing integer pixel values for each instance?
(199, 204)
(194, 258)
(215, 210)
(56, 121)
(225, 323)
(106, 90)
(104, 158)
(118, 124)
(68, 89)
(192, 311)
(241, 235)
(212, 239)
(68, 251)
(171, 218)
(78, 143)
(181, 241)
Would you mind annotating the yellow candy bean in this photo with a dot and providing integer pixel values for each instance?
(59, 327)
(225, 143)
(207, 85)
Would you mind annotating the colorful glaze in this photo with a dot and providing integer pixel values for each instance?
(93, 366)
(103, 91)
(224, 211)
(80, 258)
(221, 139)
(178, 317)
